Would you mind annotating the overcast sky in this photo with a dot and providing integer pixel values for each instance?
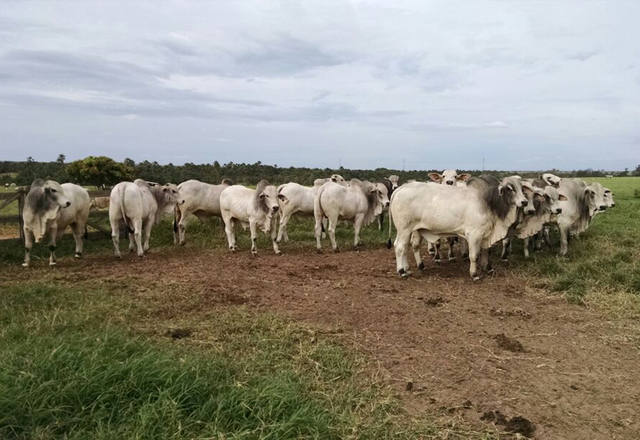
(432, 84)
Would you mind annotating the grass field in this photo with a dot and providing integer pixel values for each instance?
(66, 374)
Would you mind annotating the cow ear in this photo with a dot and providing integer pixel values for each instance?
(562, 197)
(282, 197)
(500, 189)
(463, 177)
(262, 196)
(527, 190)
(436, 177)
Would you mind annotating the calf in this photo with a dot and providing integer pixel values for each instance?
(360, 202)
(48, 209)
(100, 203)
(139, 205)
(482, 212)
(199, 199)
(256, 208)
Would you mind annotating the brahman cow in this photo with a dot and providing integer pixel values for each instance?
(481, 212)
(542, 208)
(386, 187)
(199, 199)
(577, 211)
(359, 202)
(294, 198)
(256, 208)
(139, 205)
(100, 203)
(48, 209)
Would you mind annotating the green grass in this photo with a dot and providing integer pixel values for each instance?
(65, 375)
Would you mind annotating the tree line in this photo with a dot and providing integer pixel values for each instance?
(104, 171)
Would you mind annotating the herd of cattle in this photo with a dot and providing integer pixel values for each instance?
(477, 212)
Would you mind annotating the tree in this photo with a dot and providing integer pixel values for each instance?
(61, 158)
(637, 171)
(98, 171)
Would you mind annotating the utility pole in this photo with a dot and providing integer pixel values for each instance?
(483, 163)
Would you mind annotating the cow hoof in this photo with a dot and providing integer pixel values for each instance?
(318, 251)
(254, 253)
(181, 243)
(25, 264)
(475, 278)
(336, 251)
(77, 255)
(505, 259)
(437, 260)
(52, 263)
(490, 271)
(452, 258)
(421, 266)
(278, 253)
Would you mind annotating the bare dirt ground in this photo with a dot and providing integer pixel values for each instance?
(485, 353)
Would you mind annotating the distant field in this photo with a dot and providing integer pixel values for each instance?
(195, 342)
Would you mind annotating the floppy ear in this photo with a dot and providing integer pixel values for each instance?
(500, 189)
(527, 190)
(282, 198)
(562, 197)
(463, 177)
(436, 177)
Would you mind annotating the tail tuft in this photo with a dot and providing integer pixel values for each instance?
(389, 244)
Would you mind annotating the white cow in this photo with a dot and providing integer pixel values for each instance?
(395, 181)
(481, 212)
(256, 208)
(359, 202)
(543, 208)
(386, 186)
(199, 199)
(294, 198)
(48, 209)
(139, 205)
(600, 196)
(100, 202)
(577, 210)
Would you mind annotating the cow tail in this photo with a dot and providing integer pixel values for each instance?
(390, 223)
(317, 207)
(124, 213)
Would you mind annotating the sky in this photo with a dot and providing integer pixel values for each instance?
(522, 85)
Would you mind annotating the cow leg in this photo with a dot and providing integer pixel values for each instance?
(332, 233)
(401, 245)
(317, 230)
(380, 222)
(416, 241)
(564, 240)
(146, 230)
(485, 261)
(28, 244)
(53, 232)
(276, 249)
(115, 236)
(546, 236)
(474, 250)
(436, 256)
(506, 249)
(229, 230)
(431, 248)
(526, 247)
(282, 230)
(137, 237)
(78, 230)
(357, 225)
(464, 248)
(253, 230)
(451, 241)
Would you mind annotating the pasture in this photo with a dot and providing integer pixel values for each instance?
(195, 342)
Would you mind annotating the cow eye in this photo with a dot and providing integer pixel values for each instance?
(53, 190)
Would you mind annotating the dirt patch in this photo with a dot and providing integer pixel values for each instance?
(516, 425)
(570, 371)
(507, 343)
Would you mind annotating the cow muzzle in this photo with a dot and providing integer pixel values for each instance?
(529, 211)
(449, 182)
(38, 238)
(274, 209)
(558, 211)
(603, 208)
(66, 205)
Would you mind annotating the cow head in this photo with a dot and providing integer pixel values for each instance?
(532, 195)
(591, 201)
(551, 179)
(599, 198)
(510, 189)
(395, 180)
(552, 199)
(43, 202)
(267, 198)
(378, 196)
(337, 178)
(608, 197)
(449, 177)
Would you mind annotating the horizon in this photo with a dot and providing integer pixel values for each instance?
(526, 86)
